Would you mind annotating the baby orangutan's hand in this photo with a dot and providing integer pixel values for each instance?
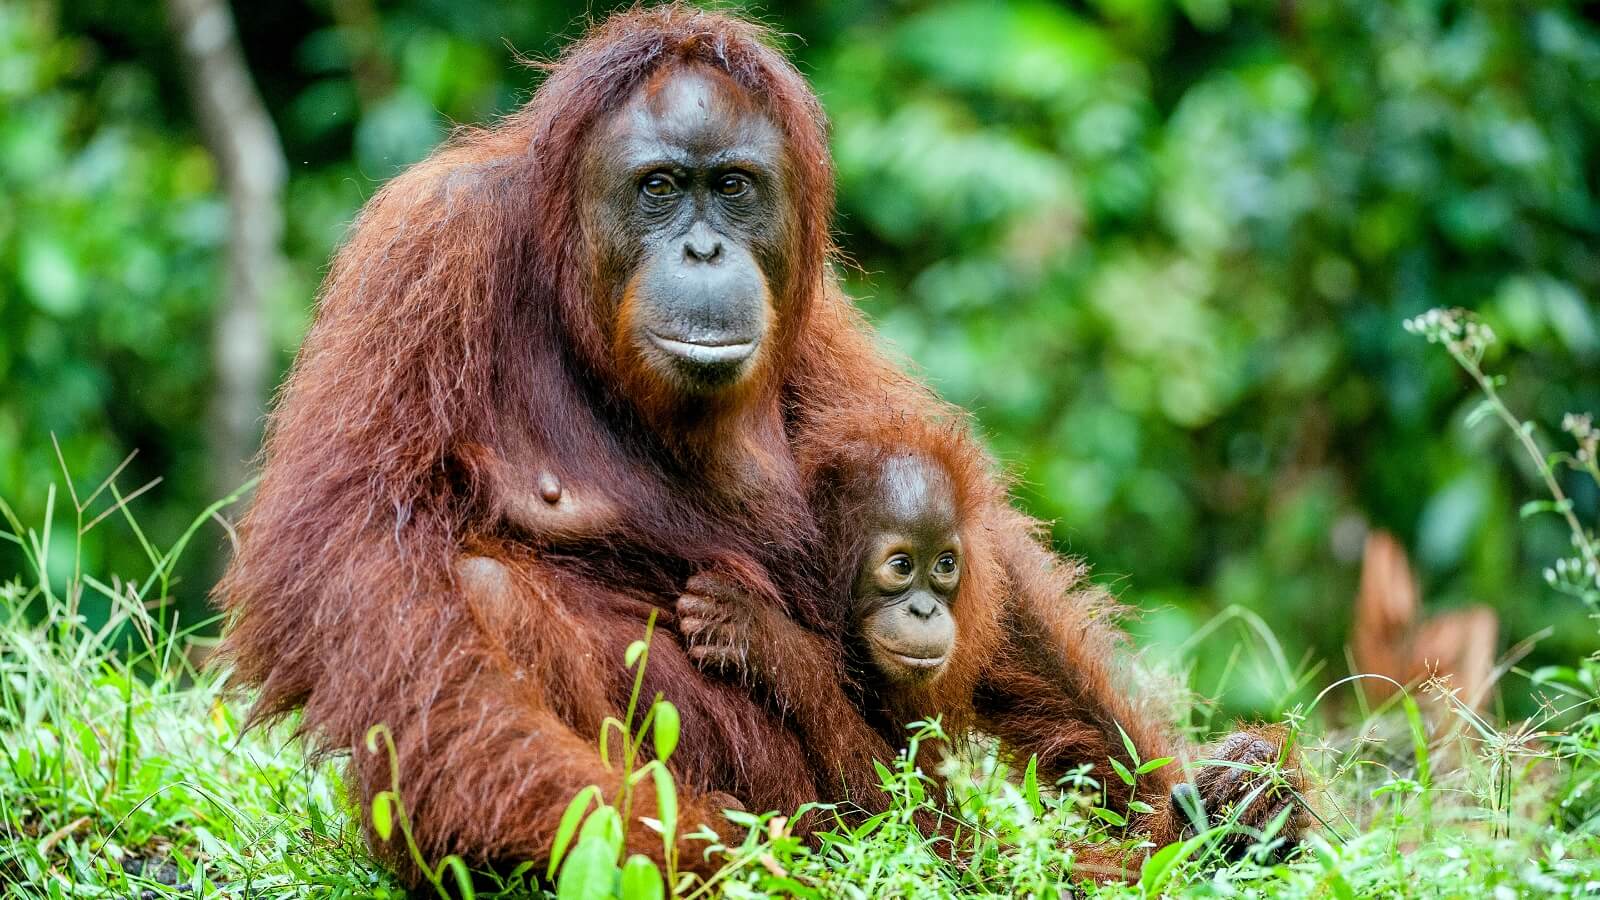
(720, 622)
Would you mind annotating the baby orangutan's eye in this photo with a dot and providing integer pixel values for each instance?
(894, 574)
(945, 565)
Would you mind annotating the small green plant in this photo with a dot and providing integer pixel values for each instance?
(1467, 339)
(593, 867)
(1129, 778)
(389, 810)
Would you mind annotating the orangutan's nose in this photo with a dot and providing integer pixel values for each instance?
(702, 245)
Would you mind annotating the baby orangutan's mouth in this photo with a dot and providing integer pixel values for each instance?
(914, 663)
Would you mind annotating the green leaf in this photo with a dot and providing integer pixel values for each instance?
(1548, 674)
(1150, 765)
(1534, 507)
(633, 652)
(1030, 786)
(666, 803)
(666, 729)
(641, 880)
(590, 872)
(22, 764)
(866, 828)
(463, 876)
(1161, 865)
(1330, 864)
(1483, 410)
(1122, 771)
(1127, 743)
(1112, 817)
(604, 827)
(885, 777)
(1419, 744)
(1139, 806)
(569, 826)
(383, 814)
(1419, 740)
(89, 746)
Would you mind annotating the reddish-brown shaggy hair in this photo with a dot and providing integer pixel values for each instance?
(850, 717)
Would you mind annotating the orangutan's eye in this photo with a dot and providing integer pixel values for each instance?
(900, 564)
(733, 185)
(658, 185)
(945, 564)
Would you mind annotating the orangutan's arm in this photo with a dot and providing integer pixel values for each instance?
(729, 630)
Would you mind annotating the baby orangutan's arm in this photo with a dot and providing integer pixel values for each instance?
(728, 629)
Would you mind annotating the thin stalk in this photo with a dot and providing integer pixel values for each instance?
(631, 743)
(1525, 435)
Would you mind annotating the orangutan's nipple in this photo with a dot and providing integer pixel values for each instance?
(550, 488)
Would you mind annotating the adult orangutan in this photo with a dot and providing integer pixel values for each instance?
(558, 368)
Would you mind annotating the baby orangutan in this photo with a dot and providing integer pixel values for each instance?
(908, 575)
(894, 608)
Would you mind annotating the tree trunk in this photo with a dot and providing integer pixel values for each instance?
(244, 142)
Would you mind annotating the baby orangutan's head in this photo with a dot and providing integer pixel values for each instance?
(909, 571)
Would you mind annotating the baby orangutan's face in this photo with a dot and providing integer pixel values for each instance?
(910, 572)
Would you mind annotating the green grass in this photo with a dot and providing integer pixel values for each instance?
(123, 771)
(118, 753)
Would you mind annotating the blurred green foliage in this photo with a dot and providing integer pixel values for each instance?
(1162, 250)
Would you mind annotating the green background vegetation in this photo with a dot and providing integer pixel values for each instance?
(1163, 251)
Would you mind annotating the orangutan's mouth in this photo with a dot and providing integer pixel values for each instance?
(919, 662)
(707, 351)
